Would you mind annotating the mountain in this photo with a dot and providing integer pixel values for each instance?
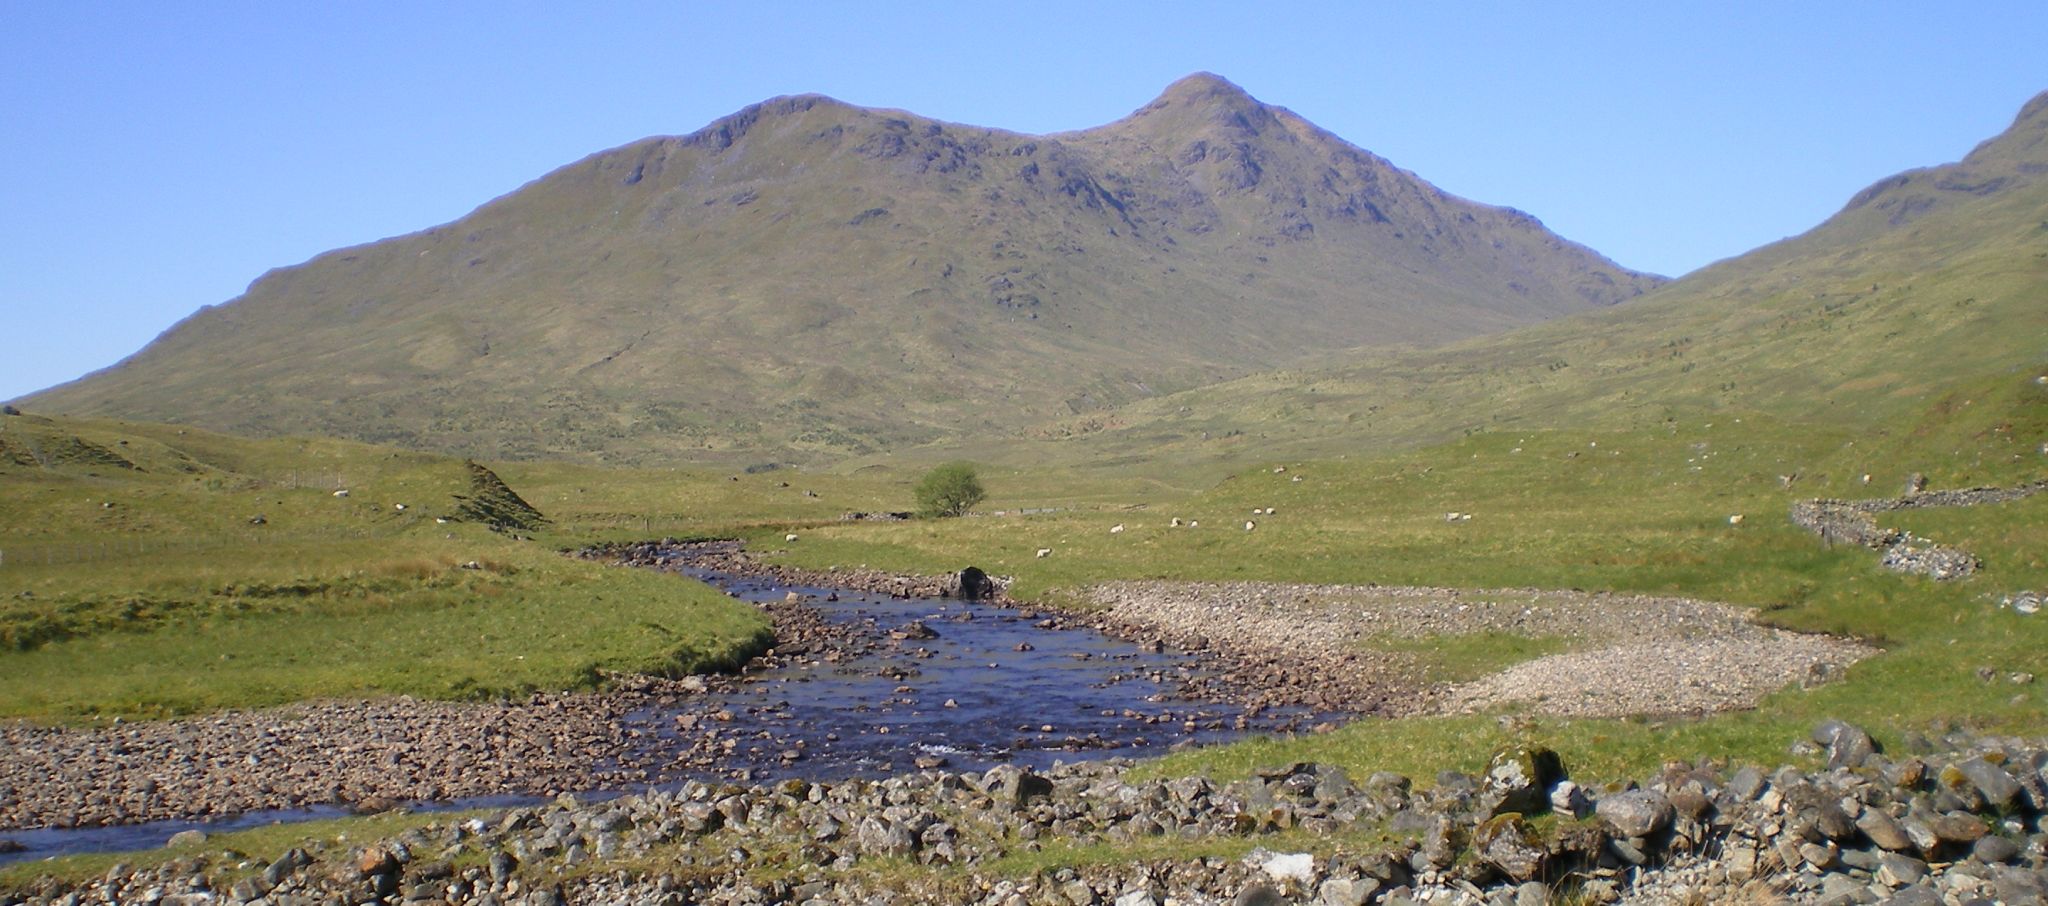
(1913, 319)
(809, 278)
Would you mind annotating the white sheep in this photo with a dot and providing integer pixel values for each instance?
(1735, 519)
(1249, 525)
(1117, 529)
(789, 537)
(1044, 552)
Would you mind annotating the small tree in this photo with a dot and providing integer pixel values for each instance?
(949, 490)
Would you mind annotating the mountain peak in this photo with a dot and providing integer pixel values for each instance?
(1200, 104)
(1199, 85)
(1203, 92)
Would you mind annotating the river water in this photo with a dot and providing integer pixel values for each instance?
(979, 685)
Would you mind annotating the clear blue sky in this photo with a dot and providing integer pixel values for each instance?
(157, 157)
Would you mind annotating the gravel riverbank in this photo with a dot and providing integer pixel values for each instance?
(1629, 654)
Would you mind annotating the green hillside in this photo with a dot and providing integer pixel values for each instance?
(1917, 317)
(807, 280)
(150, 570)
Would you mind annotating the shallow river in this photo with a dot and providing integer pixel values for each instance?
(986, 685)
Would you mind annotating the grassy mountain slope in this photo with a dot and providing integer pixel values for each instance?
(808, 277)
(1918, 316)
(149, 570)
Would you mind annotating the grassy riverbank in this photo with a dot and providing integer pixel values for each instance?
(176, 572)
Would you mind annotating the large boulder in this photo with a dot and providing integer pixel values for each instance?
(1636, 813)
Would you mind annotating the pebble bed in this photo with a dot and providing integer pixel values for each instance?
(1633, 654)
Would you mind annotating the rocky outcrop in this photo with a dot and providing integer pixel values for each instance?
(493, 503)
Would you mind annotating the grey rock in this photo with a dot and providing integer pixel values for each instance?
(1820, 856)
(1924, 838)
(1504, 842)
(1899, 870)
(1258, 894)
(1884, 831)
(1957, 828)
(1917, 895)
(1997, 786)
(1637, 813)
(1014, 787)
(702, 817)
(2017, 885)
(1078, 893)
(247, 889)
(1843, 888)
(1847, 745)
(1747, 784)
(502, 866)
(886, 838)
(1833, 823)
(186, 838)
(291, 861)
(1863, 859)
(1440, 845)
(1994, 850)
(1518, 779)
(1346, 891)
(1627, 851)
(1568, 799)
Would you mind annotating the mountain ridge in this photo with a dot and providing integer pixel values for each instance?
(806, 277)
(1912, 311)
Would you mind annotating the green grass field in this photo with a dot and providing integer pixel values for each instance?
(170, 602)
(148, 592)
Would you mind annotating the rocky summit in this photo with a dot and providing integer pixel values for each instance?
(807, 277)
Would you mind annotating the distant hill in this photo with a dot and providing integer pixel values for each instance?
(1916, 318)
(806, 278)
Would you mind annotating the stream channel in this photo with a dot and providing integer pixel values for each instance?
(919, 683)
